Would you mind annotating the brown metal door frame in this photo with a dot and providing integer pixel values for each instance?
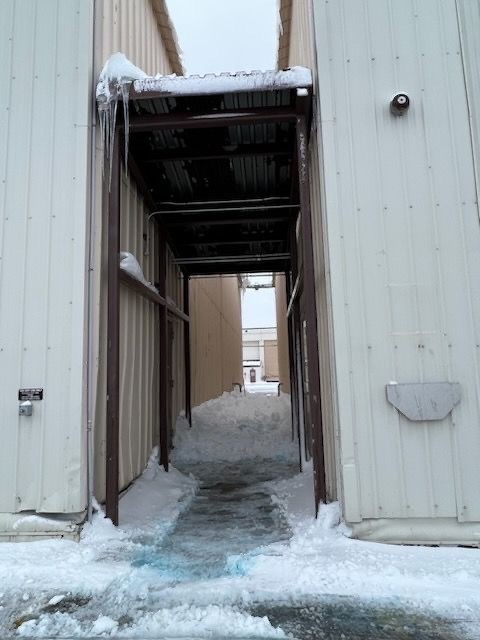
(164, 427)
(113, 392)
(309, 299)
(186, 350)
(113, 183)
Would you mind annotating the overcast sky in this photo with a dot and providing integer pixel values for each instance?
(258, 308)
(231, 35)
(226, 35)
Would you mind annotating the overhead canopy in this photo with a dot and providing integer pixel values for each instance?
(215, 157)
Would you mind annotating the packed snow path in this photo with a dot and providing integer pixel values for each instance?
(231, 516)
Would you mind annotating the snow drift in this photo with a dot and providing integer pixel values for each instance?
(236, 427)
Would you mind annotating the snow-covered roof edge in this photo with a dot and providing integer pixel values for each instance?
(118, 71)
(225, 82)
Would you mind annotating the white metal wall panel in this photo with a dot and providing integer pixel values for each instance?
(45, 58)
(404, 245)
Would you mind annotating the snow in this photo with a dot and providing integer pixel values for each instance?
(184, 621)
(322, 560)
(41, 580)
(235, 427)
(130, 265)
(117, 70)
(48, 570)
(226, 82)
(266, 388)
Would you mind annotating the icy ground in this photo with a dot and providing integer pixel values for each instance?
(233, 551)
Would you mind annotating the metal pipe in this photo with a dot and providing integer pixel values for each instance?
(237, 259)
(294, 295)
(204, 202)
(245, 208)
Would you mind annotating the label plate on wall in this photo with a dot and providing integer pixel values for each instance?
(30, 394)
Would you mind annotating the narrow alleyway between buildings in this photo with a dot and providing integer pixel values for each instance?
(225, 546)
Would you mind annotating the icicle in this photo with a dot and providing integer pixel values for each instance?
(112, 120)
(107, 111)
(125, 91)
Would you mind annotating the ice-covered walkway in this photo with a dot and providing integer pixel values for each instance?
(225, 546)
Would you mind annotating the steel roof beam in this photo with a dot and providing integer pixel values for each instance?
(245, 208)
(212, 119)
(257, 258)
(226, 243)
(216, 222)
(242, 151)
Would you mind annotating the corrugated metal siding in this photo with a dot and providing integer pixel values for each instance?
(130, 27)
(216, 337)
(139, 349)
(404, 245)
(469, 25)
(45, 58)
(302, 52)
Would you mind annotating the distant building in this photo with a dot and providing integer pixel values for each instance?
(260, 355)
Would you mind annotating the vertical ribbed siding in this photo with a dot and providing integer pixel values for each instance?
(302, 52)
(404, 245)
(131, 27)
(216, 336)
(45, 58)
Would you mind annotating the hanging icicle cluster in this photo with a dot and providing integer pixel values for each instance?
(114, 84)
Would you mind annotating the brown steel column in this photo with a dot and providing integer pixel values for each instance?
(310, 313)
(293, 379)
(164, 384)
(113, 327)
(186, 345)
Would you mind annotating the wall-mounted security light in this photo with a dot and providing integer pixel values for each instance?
(399, 104)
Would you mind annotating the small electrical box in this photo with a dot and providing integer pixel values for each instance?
(25, 408)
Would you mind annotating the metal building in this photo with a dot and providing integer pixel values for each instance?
(53, 297)
(394, 163)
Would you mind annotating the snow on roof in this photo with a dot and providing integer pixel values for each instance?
(226, 82)
(118, 70)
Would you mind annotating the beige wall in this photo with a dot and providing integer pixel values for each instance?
(302, 52)
(216, 336)
(130, 27)
(270, 348)
(282, 333)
